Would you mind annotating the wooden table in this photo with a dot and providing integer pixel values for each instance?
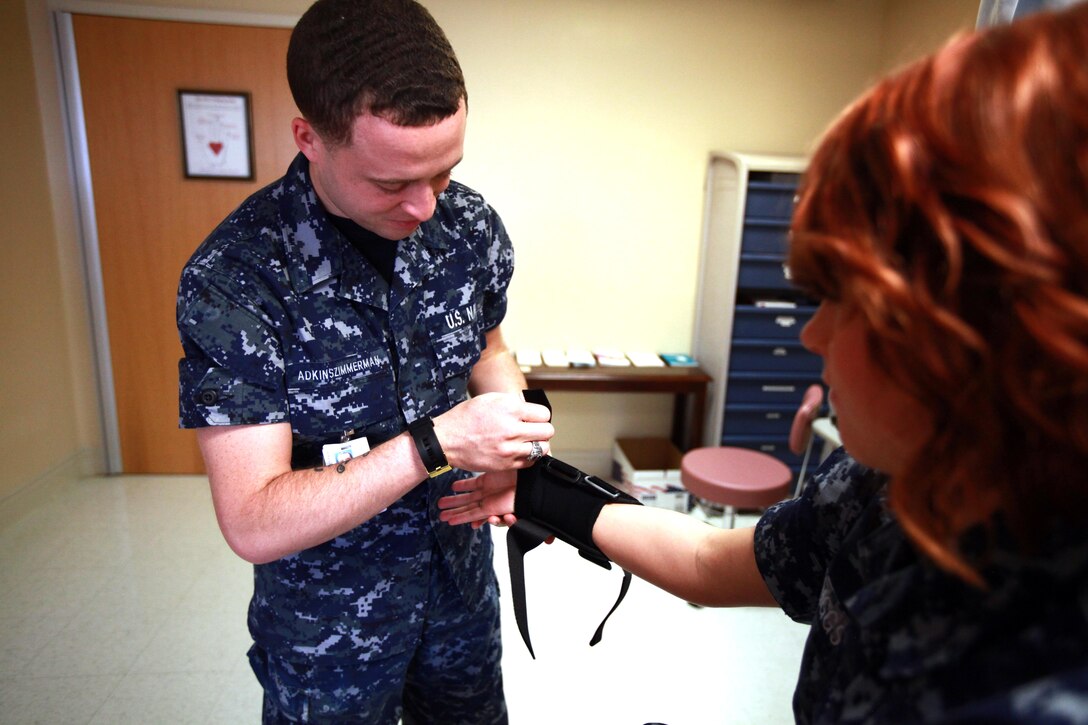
(686, 384)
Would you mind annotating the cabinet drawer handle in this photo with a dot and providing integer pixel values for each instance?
(779, 388)
(785, 321)
(780, 352)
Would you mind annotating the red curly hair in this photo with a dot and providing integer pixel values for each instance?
(949, 204)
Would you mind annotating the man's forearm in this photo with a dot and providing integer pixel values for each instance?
(266, 510)
(496, 371)
(265, 515)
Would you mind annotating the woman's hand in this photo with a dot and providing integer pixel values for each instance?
(487, 498)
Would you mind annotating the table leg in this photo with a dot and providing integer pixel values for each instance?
(687, 426)
(679, 421)
(698, 416)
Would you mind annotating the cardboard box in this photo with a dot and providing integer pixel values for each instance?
(672, 498)
(649, 470)
(645, 462)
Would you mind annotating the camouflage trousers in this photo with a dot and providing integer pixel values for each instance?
(452, 675)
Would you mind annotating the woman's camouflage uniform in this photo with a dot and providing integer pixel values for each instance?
(895, 639)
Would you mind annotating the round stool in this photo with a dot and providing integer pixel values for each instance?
(735, 478)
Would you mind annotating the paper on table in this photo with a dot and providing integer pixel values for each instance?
(608, 357)
(555, 358)
(646, 359)
(580, 358)
(528, 357)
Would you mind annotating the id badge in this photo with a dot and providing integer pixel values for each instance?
(334, 453)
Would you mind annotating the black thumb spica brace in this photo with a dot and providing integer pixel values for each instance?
(554, 498)
(566, 502)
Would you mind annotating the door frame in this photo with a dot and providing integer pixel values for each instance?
(75, 130)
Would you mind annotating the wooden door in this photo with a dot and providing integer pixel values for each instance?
(150, 216)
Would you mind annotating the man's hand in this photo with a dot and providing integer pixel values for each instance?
(487, 498)
(493, 432)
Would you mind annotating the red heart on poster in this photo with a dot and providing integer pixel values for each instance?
(215, 146)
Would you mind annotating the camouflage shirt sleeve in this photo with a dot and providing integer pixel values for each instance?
(500, 260)
(796, 540)
(232, 371)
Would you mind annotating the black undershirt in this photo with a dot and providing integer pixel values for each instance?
(379, 251)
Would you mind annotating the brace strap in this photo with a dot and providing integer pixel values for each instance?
(554, 498)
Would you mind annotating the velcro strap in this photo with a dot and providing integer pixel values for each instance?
(537, 396)
(554, 498)
(523, 537)
(624, 586)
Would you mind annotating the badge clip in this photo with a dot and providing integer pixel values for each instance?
(345, 450)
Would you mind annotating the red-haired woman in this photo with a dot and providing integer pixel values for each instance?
(942, 558)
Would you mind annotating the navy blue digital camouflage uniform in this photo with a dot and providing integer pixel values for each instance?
(894, 639)
(282, 320)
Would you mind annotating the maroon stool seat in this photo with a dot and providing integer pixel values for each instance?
(735, 478)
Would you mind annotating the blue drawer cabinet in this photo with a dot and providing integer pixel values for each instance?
(769, 195)
(765, 236)
(772, 323)
(773, 356)
(777, 447)
(766, 273)
(768, 388)
(772, 421)
(749, 315)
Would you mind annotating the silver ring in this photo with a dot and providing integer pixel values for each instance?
(537, 451)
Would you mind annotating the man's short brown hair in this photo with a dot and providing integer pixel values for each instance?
(385, 57)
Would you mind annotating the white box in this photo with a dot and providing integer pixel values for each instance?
(672, 498)
(645, 462)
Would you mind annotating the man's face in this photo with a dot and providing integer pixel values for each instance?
(388, 177)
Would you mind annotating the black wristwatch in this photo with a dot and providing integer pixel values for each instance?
(430, 451)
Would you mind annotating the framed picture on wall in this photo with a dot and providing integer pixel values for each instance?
(216, 134)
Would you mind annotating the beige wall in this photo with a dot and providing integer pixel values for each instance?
(48, 410)
(589, 130)
(912, 29)
(590, 125)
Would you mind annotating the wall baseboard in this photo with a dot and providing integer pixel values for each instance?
(48, 485)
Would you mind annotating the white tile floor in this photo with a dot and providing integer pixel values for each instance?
(120, 603)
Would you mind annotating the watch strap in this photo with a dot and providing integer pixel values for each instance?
(428, 447)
